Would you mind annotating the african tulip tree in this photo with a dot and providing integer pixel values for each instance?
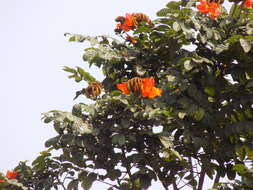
(189, 73)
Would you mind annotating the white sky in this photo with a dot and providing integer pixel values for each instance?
(33, 52)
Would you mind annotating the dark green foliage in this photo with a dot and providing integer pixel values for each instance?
(205, 68)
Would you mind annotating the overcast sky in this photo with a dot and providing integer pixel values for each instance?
(33, 52)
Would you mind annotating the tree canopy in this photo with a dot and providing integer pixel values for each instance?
(175, 106)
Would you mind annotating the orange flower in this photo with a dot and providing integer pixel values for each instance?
(127, 23)
(10, 175)
(131, 21)
(146, 86)
(251, 155)
(123, 88)
(203, 7)
(148, 90)
(247, 4)
(213, 9)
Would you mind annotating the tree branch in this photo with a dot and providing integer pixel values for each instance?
(201, 178)
(174, 186)
(185, 184)
(127, 166)
(217, 179)
(191, 170)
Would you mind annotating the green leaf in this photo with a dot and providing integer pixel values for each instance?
(176, 26)
(125, 123)
(249, 28)
(79, 74)
(181, 115)
(125, 186)
(140, 70)
(85, 75)
(246, 44)
(73, 185)
(191, 3)
(40, 159)
(210, 91)
(119, 139)
(72, 39)
(193, 182)
(234, 10)
(190, 176)
(13, 182)
(163, 12)
(145, 181)
(87, 180)
(114, 174)
(199, 114)
(167, 141)
(173, 5)
(176, 153)
(188, 65)
(240, 168)
(249, 84)
(68, 119)
(68, 69)
(78, 79)
(52, 142)
(48, 120)
(230, 172)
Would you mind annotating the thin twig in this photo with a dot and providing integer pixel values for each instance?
(115, 186)
(61, 183)
(123, 176)
(185, 184)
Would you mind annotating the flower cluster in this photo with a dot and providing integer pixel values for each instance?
(130, 21)
(10, 175)
(125, 23)
(213, 9)
(143, 86)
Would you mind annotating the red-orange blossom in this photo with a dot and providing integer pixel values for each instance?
(10, 175)
(211, 8)
(248, 4)
(128, 23)
(147, 89)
